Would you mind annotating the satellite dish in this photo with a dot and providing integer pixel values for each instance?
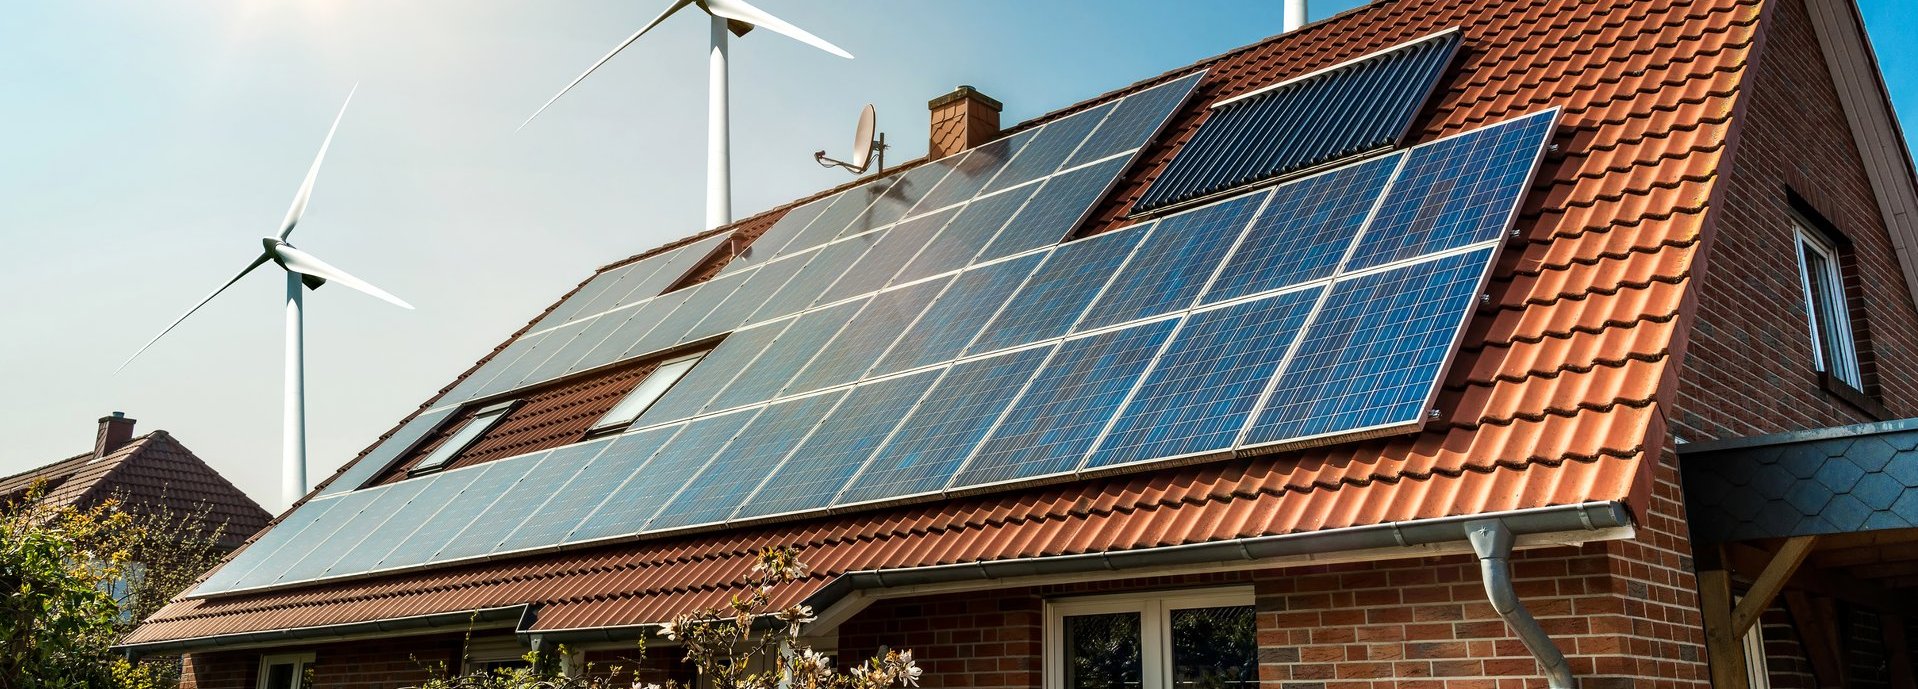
(865, 145)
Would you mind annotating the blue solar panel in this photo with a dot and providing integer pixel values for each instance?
(848, 206)
(689, 322)
(263, 550)
(1052, 426)
(902, 194)
(1456, 191)
(867, 337)
(968, 232)
(972, 173)
(322, 554)
(1372, 356)
(591, 348)
(435, 493)
(630, 507)
(692, 393)
(768, 244)
(1348, 110)
(659, 334)
(679, 262)
(1174, 264)
(876, 268)
(491, 481)
(1203, 388)
(790, 353)
(1137, 118)
(821, 467)
(1057, 294)
(382, 455)
(761, 286)
(1305, 231)
(520, 501)
(952, 321)
(1056, 209)
(537, 350)
(825, 268)
(1053, 145)
(587, 489)
(716, 491)
(955, 416)
(322, 530)
(596, 291)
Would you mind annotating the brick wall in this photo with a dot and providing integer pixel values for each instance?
(1749, 367)
(373, 664)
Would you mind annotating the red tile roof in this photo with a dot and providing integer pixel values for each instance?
(1553, 399)
(150, 469)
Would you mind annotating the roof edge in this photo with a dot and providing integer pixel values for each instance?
(518, 614)
(1791, 437)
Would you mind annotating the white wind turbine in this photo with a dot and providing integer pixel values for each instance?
(727, 15)
(303, 271)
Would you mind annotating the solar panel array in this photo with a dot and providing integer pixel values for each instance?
(1348, 109)
(959, 382)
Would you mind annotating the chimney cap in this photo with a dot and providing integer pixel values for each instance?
(964, 91)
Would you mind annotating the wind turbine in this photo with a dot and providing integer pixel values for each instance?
(737, 17)
(303, 271)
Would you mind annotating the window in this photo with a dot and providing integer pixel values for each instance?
(646, 393)
(486, 654)
(1198, 640)
(462, 437)
(1757, 674)
(1834, 350)
(284, 671)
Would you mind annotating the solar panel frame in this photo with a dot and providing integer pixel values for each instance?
(513, 504)
(898, 199)
(973, 173)
(322, 555)
(421, 545)
(382, 455)
(849, 206)
(826, 267)
(324, 527)
(432, 494)
(231, 574)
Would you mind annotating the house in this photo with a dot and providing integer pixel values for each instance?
(151, 470)
(1460, 343)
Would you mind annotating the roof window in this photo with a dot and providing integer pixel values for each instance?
(462, 437)
(646, 393)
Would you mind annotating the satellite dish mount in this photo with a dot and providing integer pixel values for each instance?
(868, 148)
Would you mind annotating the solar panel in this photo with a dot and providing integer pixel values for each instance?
(761, 285)
(596, 290)
(587, 489)
(1175, 263)
(1373, 355)
(1056, 209)
(382, 455)
(1053, 425)
(419, 547)
(1057, 293)
(942, 432)
(1305, 230)
(826, 267)
(519, 500)
(1051, 147)
(321, 554)
(790, 353)
(1203, 388)
(629, 508)
(269, 544)
(1455, 191)
(973, 172)
(343, 510)
(1136, 120)
(692, 393)
(849, 206)
(876, 268)
(902, 194)
(867, 337)
(958, 315)
(591, 348)
(821, 467)
(765, 247)
(717, 490)
(436, 492)
(974, 226)
(1349, 109)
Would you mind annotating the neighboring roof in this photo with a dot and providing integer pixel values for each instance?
(1849, 479)
(1553, 400)
(150, 468)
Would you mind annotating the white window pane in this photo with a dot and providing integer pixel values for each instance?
(1215, 648)
(1103, 651)
(467, 433)
(646, 393)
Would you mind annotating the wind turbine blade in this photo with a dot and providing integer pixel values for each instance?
(307, 264)
(306, 188)
(676, 6)
(739, 10)
(196, 307)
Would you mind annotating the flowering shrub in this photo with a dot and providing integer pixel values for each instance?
(747, 644)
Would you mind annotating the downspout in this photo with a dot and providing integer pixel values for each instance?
(1493, 544)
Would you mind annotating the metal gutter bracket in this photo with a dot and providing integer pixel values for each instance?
(1493, 544)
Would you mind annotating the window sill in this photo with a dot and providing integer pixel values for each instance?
(1851, 396)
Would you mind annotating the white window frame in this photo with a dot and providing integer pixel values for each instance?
(1845, 366)
(644, 395)
(1155, 634)
(299, 661)
(482, 421)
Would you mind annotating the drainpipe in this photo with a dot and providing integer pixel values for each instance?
(1493, 544)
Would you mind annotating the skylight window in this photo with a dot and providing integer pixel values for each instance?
(461, 438)
(646, 393)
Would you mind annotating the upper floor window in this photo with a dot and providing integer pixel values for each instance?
(463, 437)
(1834, 348)
(1191, 640)
(646, 393)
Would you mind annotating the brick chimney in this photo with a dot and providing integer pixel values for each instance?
(115, 432)
(962, 119)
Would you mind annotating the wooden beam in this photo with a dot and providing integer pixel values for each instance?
(1723, 648)
(1879, 594)
(1770, 581)
(1897, 652)
(1818, 627)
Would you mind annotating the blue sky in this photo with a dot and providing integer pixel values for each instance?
(151, 144)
